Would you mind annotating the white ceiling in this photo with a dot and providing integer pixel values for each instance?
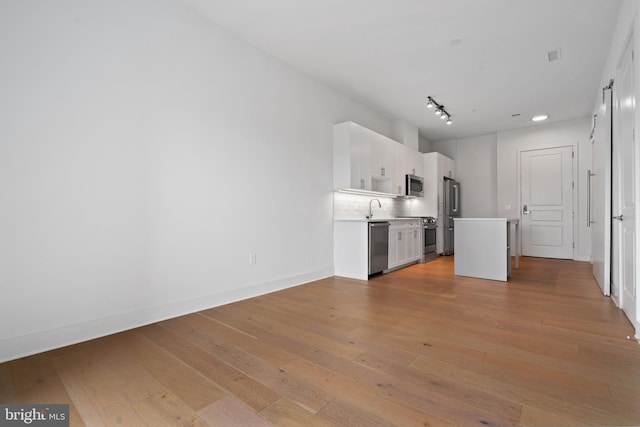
(484, 60)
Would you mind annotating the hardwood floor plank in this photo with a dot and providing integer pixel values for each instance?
(342, 366)
(343, 413)
(98, 401)
(126, 373)
(8, 393)
(561, 381)
(532, 417)
(276, 322)
(194, 330)
(457, 412)
(442, 387)
(229, 412)
(165, 409)
(205, 330)
(285, 413)
(50, 391)
(32, 371)
(185, 382)
(254, 394)
(371, 401)
(525, 390)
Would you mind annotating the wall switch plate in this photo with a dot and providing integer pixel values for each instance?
(252, 258)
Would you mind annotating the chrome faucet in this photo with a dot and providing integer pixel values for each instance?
(370, 212)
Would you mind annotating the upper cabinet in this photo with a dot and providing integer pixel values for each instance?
(352, 157)
(365, 160)
(446, 168)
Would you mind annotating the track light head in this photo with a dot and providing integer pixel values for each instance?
(440, 111)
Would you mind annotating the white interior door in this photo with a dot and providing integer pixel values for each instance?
(625, 207)
(547, 202)
(599, 217)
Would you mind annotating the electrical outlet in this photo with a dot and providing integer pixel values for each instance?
(252, 258)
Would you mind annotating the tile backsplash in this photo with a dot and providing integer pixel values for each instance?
(354, 206)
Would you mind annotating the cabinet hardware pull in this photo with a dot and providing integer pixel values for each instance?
(589, 175)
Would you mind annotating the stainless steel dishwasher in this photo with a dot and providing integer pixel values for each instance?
(378, 247)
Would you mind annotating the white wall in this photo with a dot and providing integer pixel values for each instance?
(144, 153)
(424, 145)
(475, 168)
(573, 133)
(406, 133)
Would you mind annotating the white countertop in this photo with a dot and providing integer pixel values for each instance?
(374, 219)
(487, 219)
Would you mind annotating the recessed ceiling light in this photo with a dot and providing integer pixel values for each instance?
(539, 118)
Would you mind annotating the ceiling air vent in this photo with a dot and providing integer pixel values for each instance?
(553, 55)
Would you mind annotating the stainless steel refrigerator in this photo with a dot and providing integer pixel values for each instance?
(451, 210)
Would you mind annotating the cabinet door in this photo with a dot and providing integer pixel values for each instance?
(361, 153)
(382, 166)
(416, 247)
(448, 167)
(402, 168)
(378, 161)
(393, 247)
(418, 163)
(403, 246)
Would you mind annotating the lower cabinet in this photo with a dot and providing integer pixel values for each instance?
(404, 243)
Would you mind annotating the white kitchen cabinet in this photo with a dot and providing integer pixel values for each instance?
(416, 242)
(365, 160)
(351, 249)
(352, 157)
(414, 163)
(404, 243)
(408, 162)
(401, 166)
(383, 165)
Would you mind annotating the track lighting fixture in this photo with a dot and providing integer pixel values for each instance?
(440, 111)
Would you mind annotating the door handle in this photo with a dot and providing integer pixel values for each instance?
(525, 210)
(589, 175)
(619, 217)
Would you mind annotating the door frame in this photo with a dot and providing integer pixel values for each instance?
(574, 195)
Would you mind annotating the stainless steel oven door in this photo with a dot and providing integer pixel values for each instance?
(429, 242)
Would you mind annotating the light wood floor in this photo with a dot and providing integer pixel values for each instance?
(415, 347)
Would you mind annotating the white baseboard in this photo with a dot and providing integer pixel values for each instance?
(586, 258)
(40, 341)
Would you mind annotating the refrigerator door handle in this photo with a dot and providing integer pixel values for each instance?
(455, 198)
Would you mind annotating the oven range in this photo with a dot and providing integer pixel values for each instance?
(429, 226)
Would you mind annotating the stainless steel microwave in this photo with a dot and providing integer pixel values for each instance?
(414, 186)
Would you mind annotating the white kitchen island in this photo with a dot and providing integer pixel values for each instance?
(483, 247)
